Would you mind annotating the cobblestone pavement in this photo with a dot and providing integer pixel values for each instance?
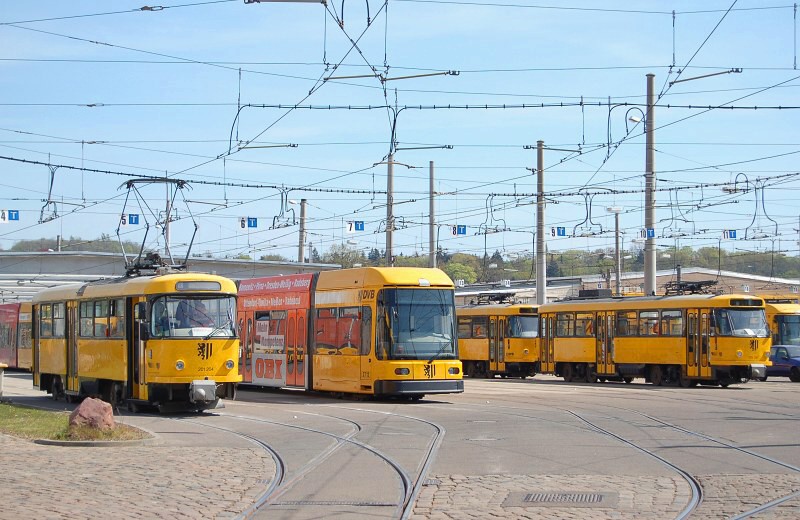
(186, 482)
(150, 481)
(495, 496)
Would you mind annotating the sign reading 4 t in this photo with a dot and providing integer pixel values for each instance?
(7, 215)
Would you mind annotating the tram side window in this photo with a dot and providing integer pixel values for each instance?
(648, 323)
(584, 324)
(671, 323)
(101, 318)
(464, 328)
(326, 331)
(349, 330)
(59, 320)
(366, 331)
(269, 333)
(6, 334)
(565, 324)
(86, 310)
(276, 335)
(46, 320)
(627, 323)
(479, 327)
(116, 319)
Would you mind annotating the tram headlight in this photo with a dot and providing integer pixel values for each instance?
(229, 364)
(525, 352)
(738, 353)
(453, 370)
(180, 365)
(402, 371)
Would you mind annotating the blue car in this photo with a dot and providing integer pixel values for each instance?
(785, 362)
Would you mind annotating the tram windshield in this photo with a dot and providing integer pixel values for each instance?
(740, 322)
(192, 316)
(788, 332)
(523, 326)
(416, 324)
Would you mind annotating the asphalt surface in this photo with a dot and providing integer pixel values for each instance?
(511, 451)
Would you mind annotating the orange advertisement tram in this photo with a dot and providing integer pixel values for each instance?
(369, 331)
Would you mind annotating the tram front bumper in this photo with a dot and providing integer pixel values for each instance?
(758, 371)
(202, 391)
(436, 386)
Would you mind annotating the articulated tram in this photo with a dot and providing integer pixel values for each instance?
(686, 340)
(369, 331)
(166, 340)
(498, 338)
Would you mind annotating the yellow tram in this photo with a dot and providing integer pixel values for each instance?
(783, 316)
(166, 340)
(684, 340)
(498, 337)
(370, 331)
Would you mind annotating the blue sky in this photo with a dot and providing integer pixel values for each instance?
(110, 87)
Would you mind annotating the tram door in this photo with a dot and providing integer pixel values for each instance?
(497, 349)
(294, 371)
(245, 337)
(705, 343)
(698, 336)
(546, 362)
(692, 344)
(137, 388)
(71, 335)
(604, 338)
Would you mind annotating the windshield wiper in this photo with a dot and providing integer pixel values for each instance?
(439, 352)
(218, 328)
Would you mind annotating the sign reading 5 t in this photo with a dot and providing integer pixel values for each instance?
(130, 218)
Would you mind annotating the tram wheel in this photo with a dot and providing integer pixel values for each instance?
(685, 382)
(628, 380)
(568, 372)
(591, 374)
(469, 369)
(56, 388)
(656, 375)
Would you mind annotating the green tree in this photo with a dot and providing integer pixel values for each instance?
(459, 271)
(343, 255)
(553, 269)
(274, 258)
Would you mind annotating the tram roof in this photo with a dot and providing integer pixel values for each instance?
(655, 302)
(139, 285)
(381, 276)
